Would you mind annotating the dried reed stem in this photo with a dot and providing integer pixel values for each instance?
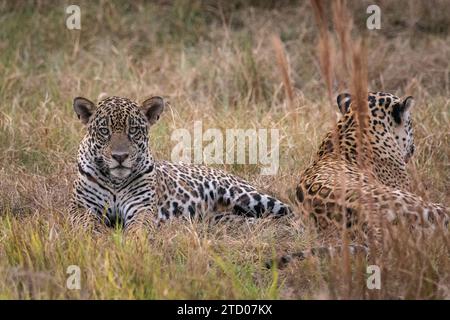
(283, 64)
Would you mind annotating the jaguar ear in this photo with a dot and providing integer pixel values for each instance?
(402, 108)
(84, 109)
(343, 101)
(408, 103)
(152, 108)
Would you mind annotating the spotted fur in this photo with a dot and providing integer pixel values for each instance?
(350, 185)
(120, 182)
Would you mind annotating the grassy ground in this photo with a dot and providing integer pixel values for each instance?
(214, 63)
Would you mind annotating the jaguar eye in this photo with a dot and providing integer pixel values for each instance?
(104, 131)
(133, 130)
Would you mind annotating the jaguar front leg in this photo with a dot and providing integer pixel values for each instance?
(140, 222)
(84, 219)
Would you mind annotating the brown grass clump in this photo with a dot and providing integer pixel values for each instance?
(214, 62)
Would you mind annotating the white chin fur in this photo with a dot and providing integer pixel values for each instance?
(121, 173)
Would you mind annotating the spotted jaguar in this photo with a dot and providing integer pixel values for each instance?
(351, 184)
(119, 181)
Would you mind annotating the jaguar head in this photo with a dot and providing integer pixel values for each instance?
(388, 114)
(116, 142)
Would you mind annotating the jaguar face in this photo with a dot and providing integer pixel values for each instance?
(403, 130)
(388, 114)
(117, 137)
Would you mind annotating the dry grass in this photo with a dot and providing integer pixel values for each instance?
(215, 63)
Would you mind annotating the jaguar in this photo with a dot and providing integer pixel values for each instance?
(358, 180)
(120, 183)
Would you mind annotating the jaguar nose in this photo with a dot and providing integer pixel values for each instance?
(120, 157)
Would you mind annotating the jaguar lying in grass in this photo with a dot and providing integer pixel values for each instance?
(120, 182)
(362, 187)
